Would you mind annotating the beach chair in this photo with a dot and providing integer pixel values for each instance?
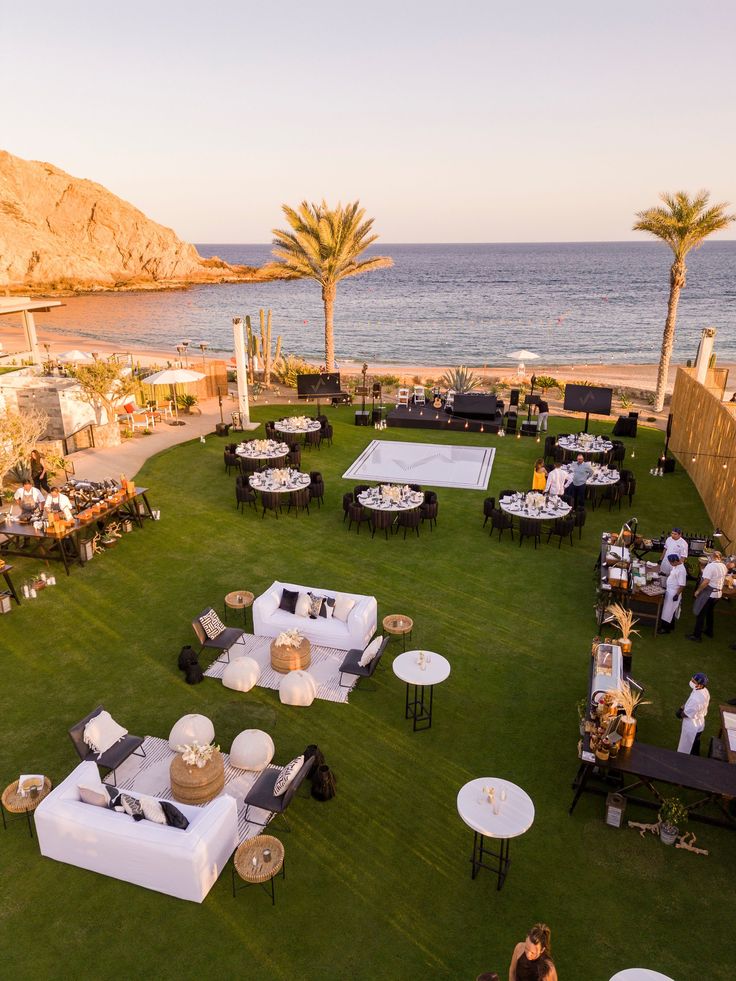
(403, 397)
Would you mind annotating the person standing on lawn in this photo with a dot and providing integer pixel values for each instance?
(693, 714)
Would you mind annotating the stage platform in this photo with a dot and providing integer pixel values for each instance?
(426, 417)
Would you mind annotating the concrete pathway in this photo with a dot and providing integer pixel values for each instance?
(129, 457)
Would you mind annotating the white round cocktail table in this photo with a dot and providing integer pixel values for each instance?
(640, 974)
(407, 668)
(515, 816)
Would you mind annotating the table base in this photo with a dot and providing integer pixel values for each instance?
(263, 885)
(499, 860)
(28, 814)
(417, 709)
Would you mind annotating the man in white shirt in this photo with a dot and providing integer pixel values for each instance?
(693, 714)
(557, 480)
(28, 497)
(675, 545)
(58, 503)
(676, 581)
(707, 593)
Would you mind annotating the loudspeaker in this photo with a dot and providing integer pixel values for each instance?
(669, 465)
(514, 400)
(376, 390)
(528, 429)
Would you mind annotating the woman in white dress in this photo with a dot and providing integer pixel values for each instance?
(674, 589)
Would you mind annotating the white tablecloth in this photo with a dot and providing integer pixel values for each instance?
(286, 426)
(274, 451)
(601, 476)
(371, 499)
(264, 482)
(547, 513)
(573, 445)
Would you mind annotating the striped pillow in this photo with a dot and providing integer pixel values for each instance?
(211, 624)
(287, 775)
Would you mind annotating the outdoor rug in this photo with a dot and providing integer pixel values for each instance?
(324, 668)
(151, 776)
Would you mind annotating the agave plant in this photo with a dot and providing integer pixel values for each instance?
(460, 380)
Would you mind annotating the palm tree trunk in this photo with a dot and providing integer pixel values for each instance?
(677, 282)
(328, 298)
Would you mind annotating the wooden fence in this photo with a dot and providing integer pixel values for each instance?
(704, 427)
(215, 381)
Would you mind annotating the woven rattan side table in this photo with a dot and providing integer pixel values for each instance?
(14, 803)
(239, 599)
(268, 853)
(398, 625)
(194, 784)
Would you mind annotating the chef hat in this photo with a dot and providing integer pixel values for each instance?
(700, 678)
(673, 558)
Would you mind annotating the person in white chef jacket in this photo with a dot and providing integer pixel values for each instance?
(675, 545)
(674, 588)
(693, 714)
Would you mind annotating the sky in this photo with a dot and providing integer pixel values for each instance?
(451, 122)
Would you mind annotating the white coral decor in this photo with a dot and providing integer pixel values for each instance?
(194, 754)
(390, 492)
(534, 500)
(288, 638)
(300, 422)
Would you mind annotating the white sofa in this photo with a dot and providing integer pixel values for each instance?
(185, 864)
(356, 632)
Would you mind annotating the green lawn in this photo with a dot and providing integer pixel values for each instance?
(378, 880)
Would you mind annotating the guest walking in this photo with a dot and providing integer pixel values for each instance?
(693, 714)
(581, 474)
(707, 593)
(539, 480)
(532, 958)
(543, 408)
(38, 472)
(674, 588)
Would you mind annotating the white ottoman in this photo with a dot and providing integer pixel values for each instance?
(252, 749)
(298, 688)
(241, 674)
(189, 728)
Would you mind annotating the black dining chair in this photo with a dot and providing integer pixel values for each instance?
(316, 487)
(244, 493)
(562, 528)
(489, 506)
(327, 433)
(409, 520)
(529, 528)
(294, 458)
(381, 521)
(232, 461)
(579, 516)
(501, 521)
(357, 514)
(313, 438)
(347, 500)
(270, 501)
(299, 500)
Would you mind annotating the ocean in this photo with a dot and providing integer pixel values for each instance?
(576, 303)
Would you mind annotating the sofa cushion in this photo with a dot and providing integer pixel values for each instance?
(288, 600)
(132, 806)
(302, 605)
(95, 794)
(174, 817)
(152, 810)
(343, 606)
(328, 607)
(370, 652)
(288, 774)
(315, 605)
(102, 732)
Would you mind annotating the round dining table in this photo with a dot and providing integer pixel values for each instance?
(376, 501)
(602, 475)
(554, 507)
(265, 481)
(272, 450)
(288, 426)
(596, 446)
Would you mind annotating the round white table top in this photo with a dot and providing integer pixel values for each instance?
(558, 510)
(515, 814)
(287, 426)
(264, 482)
(640, 974)
(377, 502)
(406, 668)
(273, 450)
(573, 443)
(601, 476)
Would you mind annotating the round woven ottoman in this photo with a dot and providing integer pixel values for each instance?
(241, 674)
(298, 688)
(189, 728)
(252, 749)
(194, 784)
(285, 659)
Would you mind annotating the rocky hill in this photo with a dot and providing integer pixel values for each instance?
(65, 234)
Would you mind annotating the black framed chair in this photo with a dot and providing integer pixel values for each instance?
(358, 490)
(294, 458)
(244, 494)
(313, 438)
(113, 757)
(500, 521)
(270, 501)
(562, 528)
(579, 516)
(248, 465)
(316, 487)
(327, 433)
(351, 663)
(529, 528)
(549, 448)
(410, 520)
(222, 642)
(357, 514)
(429, 508)
(489, 506)
(261, 793)
(232, 461)
(347, 500)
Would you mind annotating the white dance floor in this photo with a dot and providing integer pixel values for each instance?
(466, 467)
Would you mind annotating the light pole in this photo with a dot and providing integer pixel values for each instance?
(185, 347)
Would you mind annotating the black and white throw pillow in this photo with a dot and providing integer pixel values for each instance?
(287, 775)
(315, 605)
(152, 810)
(174, 817)
(328, 607)
(288, 600)
(211, 624)
(132, 806)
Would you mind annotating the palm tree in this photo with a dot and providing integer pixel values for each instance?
(683, 223)
(325, 244)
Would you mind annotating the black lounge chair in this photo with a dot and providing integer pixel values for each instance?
(117, 754)
(261, 793)
(224, 640)
(351, 665)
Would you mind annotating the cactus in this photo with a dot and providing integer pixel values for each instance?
(267, 357)
(251, 350)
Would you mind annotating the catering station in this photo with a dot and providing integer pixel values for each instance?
(68, 525)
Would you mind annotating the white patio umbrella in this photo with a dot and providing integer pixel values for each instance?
(521, 356)
(174, 377)
(75, 357)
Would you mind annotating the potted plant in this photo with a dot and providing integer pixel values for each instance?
(672, 816)
(186, 402)
(628, 699)
(624, 620)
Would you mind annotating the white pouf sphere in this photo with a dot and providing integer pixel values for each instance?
(297, 688)
(241, 674)
(189, 728)
(252, 749)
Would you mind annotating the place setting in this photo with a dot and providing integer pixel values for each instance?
(262, 449)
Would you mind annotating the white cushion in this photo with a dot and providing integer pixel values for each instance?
(252, 749)
(343, 606)
(102, 732)
(298, 688)
(287, 775)
(302, 605)
(241, 674)
(189, 728)
(93, 793)
(370, 652)
(152, 810)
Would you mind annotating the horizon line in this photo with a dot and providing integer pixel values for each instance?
(592, 241)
